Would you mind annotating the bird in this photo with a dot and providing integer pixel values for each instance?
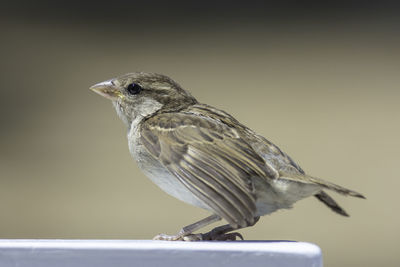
(203, 156)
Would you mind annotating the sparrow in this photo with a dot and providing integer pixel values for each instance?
(205, 157)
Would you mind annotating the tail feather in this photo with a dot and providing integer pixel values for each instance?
(337, 188)
(304, 178)
(331, 203)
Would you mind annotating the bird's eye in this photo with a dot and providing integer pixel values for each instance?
(134, 88)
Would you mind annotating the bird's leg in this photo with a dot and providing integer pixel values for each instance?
(186, 233)
(222, 232)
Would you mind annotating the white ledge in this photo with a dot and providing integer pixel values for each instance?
(145, 253)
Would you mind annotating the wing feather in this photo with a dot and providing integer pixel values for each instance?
(210, 159)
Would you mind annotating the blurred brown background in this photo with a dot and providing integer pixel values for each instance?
(319, 80)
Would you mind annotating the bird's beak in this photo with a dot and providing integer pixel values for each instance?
(107, 89)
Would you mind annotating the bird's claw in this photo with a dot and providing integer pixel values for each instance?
(210, 236)
(165, 237)
(179, 237)
(222, 236)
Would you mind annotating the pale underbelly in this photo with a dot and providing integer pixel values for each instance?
(159, 175)
(172, 186)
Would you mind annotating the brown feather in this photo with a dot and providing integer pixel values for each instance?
(210, 159)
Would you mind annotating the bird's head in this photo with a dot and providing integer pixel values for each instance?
(139, 94)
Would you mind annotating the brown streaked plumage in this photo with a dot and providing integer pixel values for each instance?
(205, 157)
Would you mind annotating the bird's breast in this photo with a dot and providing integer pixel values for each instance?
(158, 173)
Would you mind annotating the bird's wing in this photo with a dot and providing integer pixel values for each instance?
(275, 159)
(210, 159)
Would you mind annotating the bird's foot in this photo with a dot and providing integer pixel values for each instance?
(179, 237)
(221, 236)
(210, 236)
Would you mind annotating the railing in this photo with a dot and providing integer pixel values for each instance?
(145, 253)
